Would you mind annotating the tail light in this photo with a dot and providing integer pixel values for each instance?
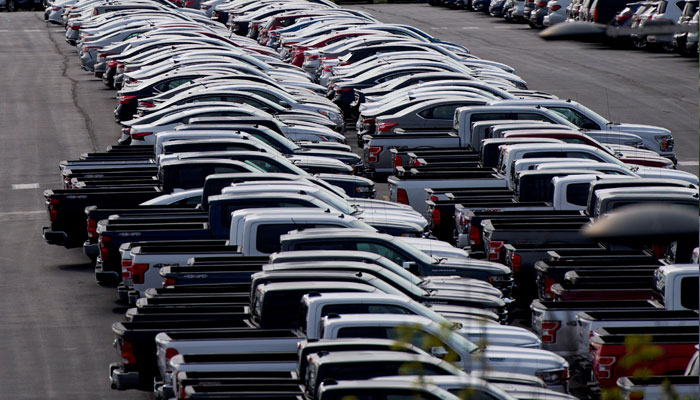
(128, 356)
(102, 243)
(659, 250)
(433, 198)
(549, 331)
(402, 196)
(169, 281)
(169, 353)
(368, 121)
(373, 153)
(206, 7)
(398, 161)
(139, 135)
(386, 126)
(474, 237)
(126, 269)
(91, 228)
(548, 282)
(56, 8)
(75, 27)
(515, 262)
(53, 212)
(327, 68)
(415, 162)
(594, 16)
(462, 221)
(86, 49)
(555, 7)
(435, 217)
(112, 64)
(125, 99)
(312, 57)
(146, 104)
(189, 3)
(604, 368)
(495, 248)
(343, 90)
(542, 4)
(137, 272)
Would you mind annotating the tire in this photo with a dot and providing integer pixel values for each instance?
(639, 43)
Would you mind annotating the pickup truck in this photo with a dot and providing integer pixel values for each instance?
(450, 345)
(251, 233)
(400, 253)
(608, 348)
(66, 207)
(136, 346)
(377, 152)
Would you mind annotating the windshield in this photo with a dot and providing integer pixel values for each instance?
(339, 204)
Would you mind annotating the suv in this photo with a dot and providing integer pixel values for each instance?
(681, 39)
(667, 14)
(604, 11)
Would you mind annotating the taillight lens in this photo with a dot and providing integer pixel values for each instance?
(549, 331)
(402, 196)
(368, 121)
(542, 4)
(53, 212)
(554, 377)
(137, 272)
(102, 244)
(126, 269)
(125, 99)
(386, 126)
(91, 228)
(169, 353)
(474, 237)
(139, 135)
(398, 161)
(112, 64)
(169, 281)
(128, 356)
(435, 217)
(495, 248)
(146, 104)
(373, 153)
(555, 7)
(548, 282)
(515, 262)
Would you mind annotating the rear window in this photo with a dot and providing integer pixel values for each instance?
(578, 193)
(267, 239)
(689, 293)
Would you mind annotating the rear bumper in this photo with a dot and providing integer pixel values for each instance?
(106, 277)
(122, 380)
(91, 250)
(58, 238)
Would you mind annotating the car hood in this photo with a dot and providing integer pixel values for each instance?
(521, 360)
(492, 267)
(345, 156)
(639, 129)
(464, 298)
(498, 335)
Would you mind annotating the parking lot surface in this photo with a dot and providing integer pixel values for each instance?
(56, 321)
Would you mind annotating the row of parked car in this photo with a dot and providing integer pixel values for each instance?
(236, 223)
(661, 24)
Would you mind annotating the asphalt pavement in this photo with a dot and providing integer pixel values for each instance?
(55, 335)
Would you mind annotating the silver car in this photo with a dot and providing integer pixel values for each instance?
(556, 12)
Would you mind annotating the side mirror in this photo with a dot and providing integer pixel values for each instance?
(408, 265)
(438, 352)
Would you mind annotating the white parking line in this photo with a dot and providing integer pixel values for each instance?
(4, 30)
(689, 163)
(11, 213)
(470, 27)
(21, 186)
(31, 30)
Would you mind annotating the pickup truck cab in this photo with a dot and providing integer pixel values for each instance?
(449, 345)
(400, 253)
(654, 138)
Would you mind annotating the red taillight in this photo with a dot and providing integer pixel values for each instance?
(125, 99)
(659, 250)
(169, 353)
(112, 64)
(433, 198)
(515, 262)
(313, 57)
(474, 237)
(495, 248)
(549, 331)
(327, 68)
(137, 272)
(542, 4)
(436, 217)
(91, 228)
(373, 153)
(86, 49)
(604, 367)
(594, 16)
(343, 90)
(206, 7)
(402, 196)
(75, 27)
(169, 281)
(386, 126)
(415, 162)
(128, 356)
(555, 7)
(53, 212)
(126, 269)
(398, 161)
(189, 3)
(146, 104)
(548, 282)
(104, 250)
(139, 135)
(56, 8)
(368, 121)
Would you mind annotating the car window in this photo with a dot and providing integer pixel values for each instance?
(446, 111)
(575, 118)
(266, 95)
(581, 154)
(265, 166)
(387, 309)
(531, 117)
(374, 332)
(189, 201)
(204, 98)
(577, 193)
(689, 293)
(471, 394)
(383, 251)
(422, 339)
(176, 82)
